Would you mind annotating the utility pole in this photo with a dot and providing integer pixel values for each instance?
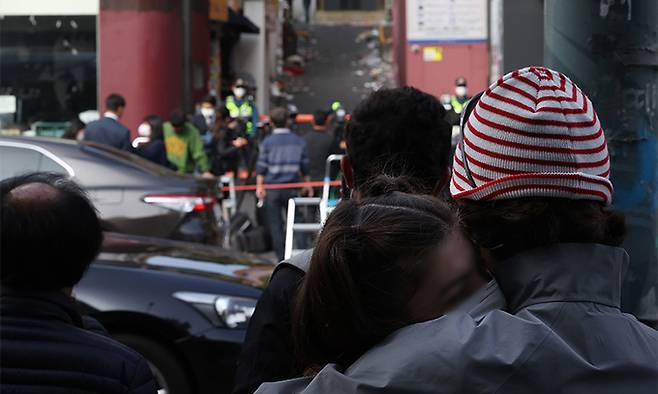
(186, 15)
(609, 48)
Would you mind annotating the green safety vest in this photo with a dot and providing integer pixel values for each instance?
(244, 111)
(456, 105)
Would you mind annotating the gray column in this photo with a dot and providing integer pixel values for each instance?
(608, 47)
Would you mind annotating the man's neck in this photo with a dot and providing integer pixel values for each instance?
(111, 115)
(319, 129)
(281, 130)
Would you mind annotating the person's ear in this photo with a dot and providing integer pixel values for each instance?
(346, 168)
(443, 182)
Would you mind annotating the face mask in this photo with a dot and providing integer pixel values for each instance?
(207, 112)
(239, 92)
(460, 91)
(144, 130)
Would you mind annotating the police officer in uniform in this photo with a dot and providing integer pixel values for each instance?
(461, 97)
(242, 108)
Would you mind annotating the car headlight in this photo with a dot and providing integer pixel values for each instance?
(221, 310)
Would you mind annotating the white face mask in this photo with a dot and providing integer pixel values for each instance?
(144, 130)
(207, 112)
(460, 91)
(239, 92)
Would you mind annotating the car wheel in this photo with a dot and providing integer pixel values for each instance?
(169, 374)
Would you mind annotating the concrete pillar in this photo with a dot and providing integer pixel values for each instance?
(608, 48)
(140, 56)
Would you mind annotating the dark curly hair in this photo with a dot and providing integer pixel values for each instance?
(508, 227)
(399, 132)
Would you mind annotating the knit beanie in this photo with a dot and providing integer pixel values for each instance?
(533, 133)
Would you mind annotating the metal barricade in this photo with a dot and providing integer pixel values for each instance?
(292, 227)
(324, 203)
(228, 206)
(327, 205)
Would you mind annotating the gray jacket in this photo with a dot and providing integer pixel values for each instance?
(562, 332)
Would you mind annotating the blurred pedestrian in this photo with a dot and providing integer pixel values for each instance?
(204, 119)
(386, 135)
(225, 146)
(531, 183)
(75, 130)
(184, 146)
(50, 233)
(320, 144)
(307, 11)
(151, 144)
(461, 97)
(108, 130)
(243, 109)
(283, 159)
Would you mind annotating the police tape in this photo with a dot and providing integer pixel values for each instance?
(270, 186)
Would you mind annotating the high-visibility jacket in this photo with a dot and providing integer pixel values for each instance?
(244, 111)
(458, 106)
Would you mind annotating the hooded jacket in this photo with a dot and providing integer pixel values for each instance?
(562, 332)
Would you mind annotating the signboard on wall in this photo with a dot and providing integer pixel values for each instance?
(446, 21)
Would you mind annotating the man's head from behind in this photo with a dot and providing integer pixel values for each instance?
(177, 120)
(398, 132)
(280, 117)
(320, 119)
(532, 167)
(115, 103)
(50, 232)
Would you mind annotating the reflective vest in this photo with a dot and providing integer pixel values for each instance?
(244, 111)
(456, 105)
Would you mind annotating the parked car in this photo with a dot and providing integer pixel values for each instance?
(184, 306)
(132, 195)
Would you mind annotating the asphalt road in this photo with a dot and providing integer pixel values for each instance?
(331, 74)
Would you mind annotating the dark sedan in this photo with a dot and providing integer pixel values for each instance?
(132, 195)
(184, 306)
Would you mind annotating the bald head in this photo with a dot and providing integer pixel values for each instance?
(50, 232)
(36, 192)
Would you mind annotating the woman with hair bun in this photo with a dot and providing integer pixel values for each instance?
(380, 263)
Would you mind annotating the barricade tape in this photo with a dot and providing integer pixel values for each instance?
(269, 186)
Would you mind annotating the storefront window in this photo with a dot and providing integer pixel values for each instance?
(48, 63)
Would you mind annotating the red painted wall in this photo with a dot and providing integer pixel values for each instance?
(470, 61)
(140, 58)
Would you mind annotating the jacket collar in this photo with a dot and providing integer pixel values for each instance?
(281, 130)
(111, 115)
(40, 305)
(568, 272)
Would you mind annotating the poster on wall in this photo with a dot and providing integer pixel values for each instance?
(446, 21)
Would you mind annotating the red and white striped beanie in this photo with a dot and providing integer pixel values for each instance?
(532, 133)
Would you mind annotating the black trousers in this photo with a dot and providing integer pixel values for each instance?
(276, 206)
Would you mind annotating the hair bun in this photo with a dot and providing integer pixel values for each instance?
(384, 184)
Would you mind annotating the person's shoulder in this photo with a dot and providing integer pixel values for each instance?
(297, 138)
(167, 128)
(106, 345)
(93, 125)
(124, 129)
